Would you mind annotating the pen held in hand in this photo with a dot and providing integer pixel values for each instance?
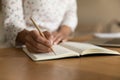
(40, 32)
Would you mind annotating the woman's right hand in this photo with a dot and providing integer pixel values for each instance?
(35, 42)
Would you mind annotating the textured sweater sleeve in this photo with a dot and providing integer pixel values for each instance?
(13, 21)
(70, 18)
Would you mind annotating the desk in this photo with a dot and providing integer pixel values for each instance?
(15, 65)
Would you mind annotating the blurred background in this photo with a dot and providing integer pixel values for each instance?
(97, 13)
(92, 13)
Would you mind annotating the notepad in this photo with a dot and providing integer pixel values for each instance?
(70, 49)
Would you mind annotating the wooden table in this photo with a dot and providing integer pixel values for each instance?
(15, 65)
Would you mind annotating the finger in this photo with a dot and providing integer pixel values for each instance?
(35, 50)
(49, 36)
(30, 40)
(34, 33)
(58, 39)
(37, 37)
(64, 40)
(57, 35)
(54, 33)
(43, 48)
(30, 48)
(36, 45)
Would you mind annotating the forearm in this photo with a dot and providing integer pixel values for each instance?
(12, 24)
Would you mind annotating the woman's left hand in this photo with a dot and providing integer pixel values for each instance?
(61, 35)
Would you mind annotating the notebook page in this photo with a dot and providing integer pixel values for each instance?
(60, 51)
(77, 46)
(86, 48)
(81, 46)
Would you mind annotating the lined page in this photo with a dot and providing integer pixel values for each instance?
(86, 48)
(60, 51)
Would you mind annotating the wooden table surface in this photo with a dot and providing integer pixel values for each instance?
(15, 65)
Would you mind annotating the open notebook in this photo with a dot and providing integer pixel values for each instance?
(69, 49)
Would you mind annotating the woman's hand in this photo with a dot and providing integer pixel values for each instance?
(35, 42)
(61, 35)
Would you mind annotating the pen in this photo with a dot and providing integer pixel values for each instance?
(40, 32)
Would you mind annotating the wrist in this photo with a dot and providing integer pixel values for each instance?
(65, 30)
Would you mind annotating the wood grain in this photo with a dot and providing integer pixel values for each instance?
(15, 65)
